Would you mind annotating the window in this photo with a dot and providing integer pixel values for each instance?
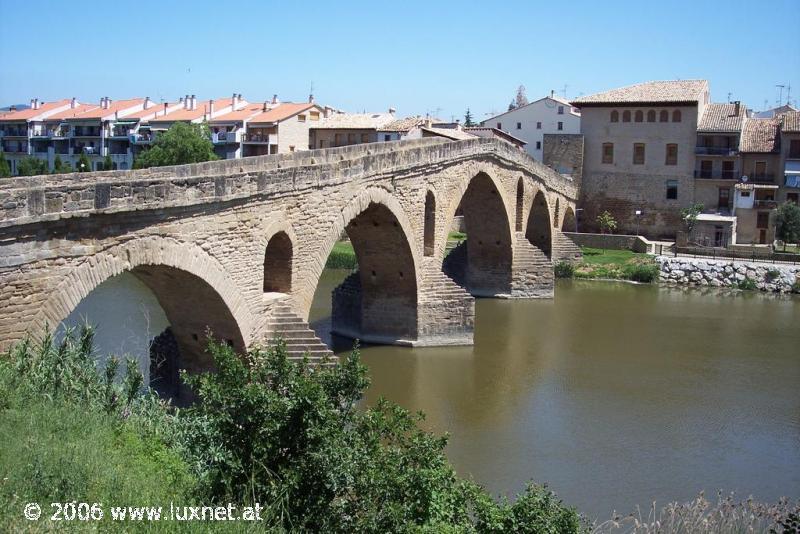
(762, 219)
(615, 116)
(760, 170)
(706, 168)
(794, 148)
(728, 172)
(519, 126)
(365, 138)
(387, 137)
(499, 125)
(314, 115)
(676, 116)
(351, 139)
(672, 154)
(626, 116)
(639, 116)
(337, 139)
(672, 189)
(651, 116)
(791, 197)
(538, 145)
(638, 153)
(663, 116)
(608, 153)
(291, 148)
(538, 125)
(560, 110)
(301, 118)
(560, 125)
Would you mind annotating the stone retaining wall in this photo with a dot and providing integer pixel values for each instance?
(726, 273)
(635, 243)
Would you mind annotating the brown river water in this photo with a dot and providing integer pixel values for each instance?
(613, 394)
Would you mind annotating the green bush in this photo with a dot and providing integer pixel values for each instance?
(564, 269)
(773, 274)
(642, 272)
(747, 284)
(796, 287)
(341, 260)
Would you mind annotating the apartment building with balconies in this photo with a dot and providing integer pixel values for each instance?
(281, 127)
(20, 128)
(228, 130)
(790, 157)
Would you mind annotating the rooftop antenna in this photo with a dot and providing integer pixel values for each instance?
(729, 97)
(565, 91)
(780, 86)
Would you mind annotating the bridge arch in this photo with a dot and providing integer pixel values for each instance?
(278, 255)
(568, 222)
(190, 286)
(378, 303)
(538, 230)
(484, 263)
(429, 224)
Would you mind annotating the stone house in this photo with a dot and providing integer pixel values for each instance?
(284, 127)
(639, 144)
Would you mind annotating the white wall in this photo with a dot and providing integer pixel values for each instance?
(126, 316)
(544, 111)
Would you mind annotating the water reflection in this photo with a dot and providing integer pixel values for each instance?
(614, 394)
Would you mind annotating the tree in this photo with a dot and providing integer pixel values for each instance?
(787, 223)
(5, 169)
(59, 167)
(607, 222)
(30, 166)
(108, 165)
(468, 121)
(521, 99)
(182, 143)
(689, 216)
(84, 165)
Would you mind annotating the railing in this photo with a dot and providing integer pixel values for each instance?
(61, 133)
(85, 133)
(40, 133)
(15, 133)
(715, 151)
(765, 204)
(141, 138)
(761, 254)
(762, 178)
(259, 138)
(716, 174)
(223, 137)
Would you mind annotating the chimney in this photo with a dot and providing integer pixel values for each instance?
(210, 108)
(391, 111)
(311, 99)
(165, 108)
(736, 108)
(147, 102)
(186, 102)
(12, 108)
(33, 103)
(194, 102)
(552, 93)
(275, 99)
(73, 103)
(265, 107)
(458, 124)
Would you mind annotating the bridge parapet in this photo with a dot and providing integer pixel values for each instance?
(49, 197)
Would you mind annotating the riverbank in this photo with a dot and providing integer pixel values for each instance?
(605, 264)
(706, 272)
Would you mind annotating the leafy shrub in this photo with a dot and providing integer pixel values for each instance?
(341, 260)
(564, 269)
(747, 284)
(796, 287)
(641, 272)
(773, 274)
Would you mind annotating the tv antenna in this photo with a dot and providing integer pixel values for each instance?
(729, 97)
(565, 91)
(780, 86)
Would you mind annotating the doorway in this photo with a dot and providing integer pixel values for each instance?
(724, 199)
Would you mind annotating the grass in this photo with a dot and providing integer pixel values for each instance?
(342, 256)
(615, 265)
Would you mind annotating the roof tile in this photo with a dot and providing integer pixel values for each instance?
(721, 118)
(760, 135)
(669, 91)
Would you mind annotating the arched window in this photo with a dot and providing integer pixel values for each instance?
(615, 116)
(430, 223)
(639, 116)
(676, 116)
(520, 199)
(663, 116)
(278, 264)
(626, 116)
(651, 116)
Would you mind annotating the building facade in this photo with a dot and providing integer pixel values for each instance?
(548, 115)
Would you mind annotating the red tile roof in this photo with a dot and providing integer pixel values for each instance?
(760, 135)
(26, 114)
(245, 113)
(72, 112)
(193, 114)
(281, 112)
(157, 108)
(114, 107)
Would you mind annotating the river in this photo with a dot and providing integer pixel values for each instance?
(613, 394)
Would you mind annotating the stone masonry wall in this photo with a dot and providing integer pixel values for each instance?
(719, 273)
(62, 235)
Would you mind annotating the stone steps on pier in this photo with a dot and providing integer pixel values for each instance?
(532, 275)
(438, 287)
(564, 248)
(297, 335)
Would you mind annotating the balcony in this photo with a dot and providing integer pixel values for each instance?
(716, 174)
(261, 138)
(224, 137)
(42, 134)
(761, 178)
(13, 132)
(141, 139)
(78, 132)
(765, 204)
(62, 133)
(715, 151)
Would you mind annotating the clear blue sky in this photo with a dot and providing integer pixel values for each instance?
(418, 57)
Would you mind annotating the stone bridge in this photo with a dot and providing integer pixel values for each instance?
(238, 246)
